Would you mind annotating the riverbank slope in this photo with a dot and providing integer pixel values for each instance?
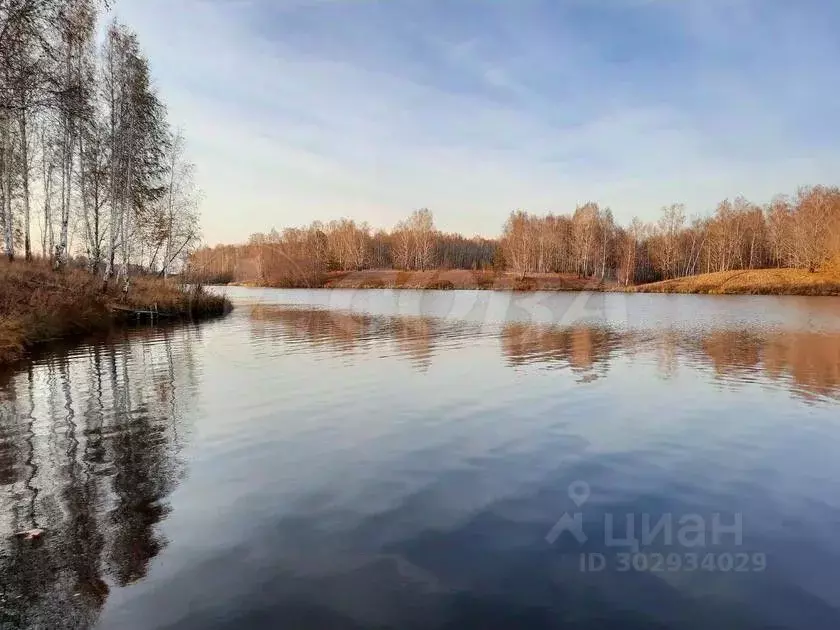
(461, 279)
(751, 282)
(39, 305)
(748, 282)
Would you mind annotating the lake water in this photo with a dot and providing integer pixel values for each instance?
(399, 459)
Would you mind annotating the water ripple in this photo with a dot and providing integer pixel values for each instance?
(396, 459)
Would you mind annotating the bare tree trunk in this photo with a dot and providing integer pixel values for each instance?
(47, 167)
(47, 236)
(169, 213)
(8, 226)
(66, 186)
(24, 158)
(89, 235)
(114, 224)
(604, 255)
(126, 226)
(97, 240)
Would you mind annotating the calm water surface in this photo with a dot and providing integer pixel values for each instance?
(390, 459)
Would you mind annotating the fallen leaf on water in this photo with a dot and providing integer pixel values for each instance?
(31, 534)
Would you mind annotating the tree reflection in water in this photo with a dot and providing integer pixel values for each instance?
(90, 438)
(89, 451)
(806, 363)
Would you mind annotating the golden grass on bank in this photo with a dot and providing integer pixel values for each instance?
(747, 282)
(833, 266)
(458, 279)
(38, 304)
(752, 282)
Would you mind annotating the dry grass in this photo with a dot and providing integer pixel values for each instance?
(833, 266)
(752, 282)
(38, 304)
(458, 279)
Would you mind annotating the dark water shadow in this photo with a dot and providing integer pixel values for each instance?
(90, 438)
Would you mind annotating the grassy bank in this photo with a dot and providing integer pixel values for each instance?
(39, 305)
(751, 282)
(452, 279)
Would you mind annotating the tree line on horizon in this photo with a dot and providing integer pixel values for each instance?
(799, 231)
(87, 154)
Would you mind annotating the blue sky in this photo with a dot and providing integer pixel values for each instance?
(303, 109)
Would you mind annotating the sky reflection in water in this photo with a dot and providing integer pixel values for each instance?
(360, 459)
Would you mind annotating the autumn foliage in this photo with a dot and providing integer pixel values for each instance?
(798, 232)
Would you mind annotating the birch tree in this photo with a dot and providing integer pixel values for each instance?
(94, 187)
(76, 24)
(137, 142)
(176, 225)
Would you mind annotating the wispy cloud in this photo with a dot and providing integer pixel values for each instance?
(310, 109)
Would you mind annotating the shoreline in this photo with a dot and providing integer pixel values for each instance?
(790, 282)
(39, 306)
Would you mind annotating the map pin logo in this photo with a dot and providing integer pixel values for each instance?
(579, 492)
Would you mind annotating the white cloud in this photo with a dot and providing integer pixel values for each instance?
(284, 133)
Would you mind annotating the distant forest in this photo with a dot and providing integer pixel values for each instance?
(800, 231)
